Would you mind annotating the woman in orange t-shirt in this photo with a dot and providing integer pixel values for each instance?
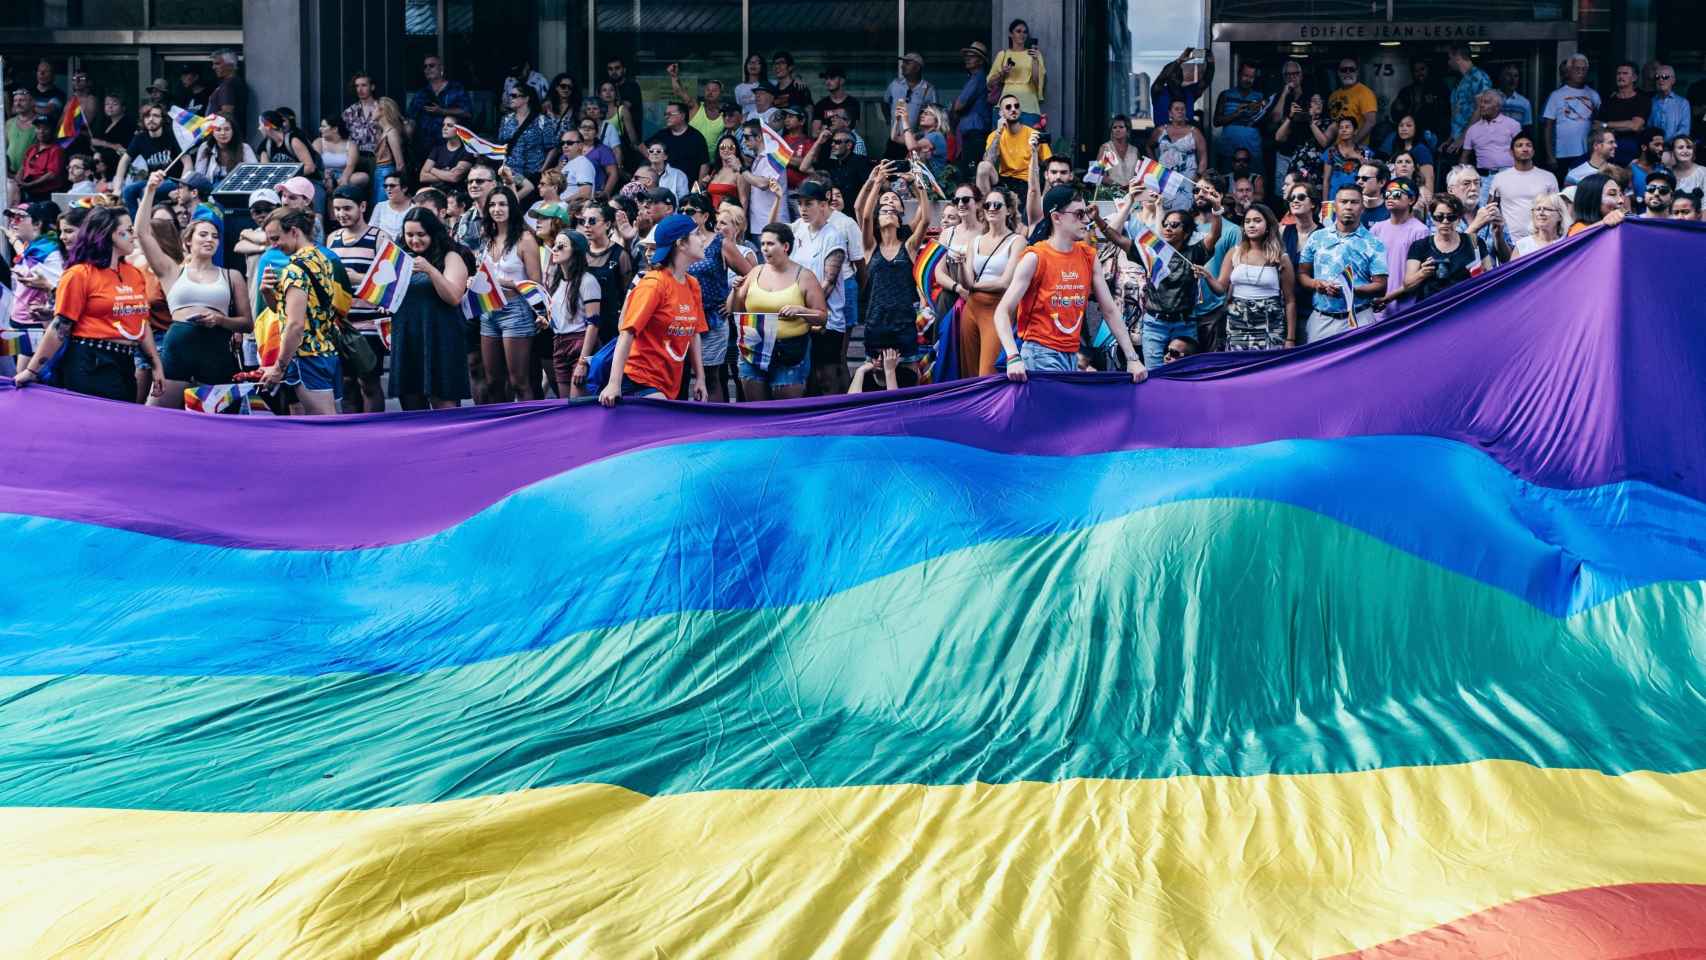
(661, 321)
(100, 314)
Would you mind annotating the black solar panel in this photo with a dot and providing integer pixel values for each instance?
(249, 177)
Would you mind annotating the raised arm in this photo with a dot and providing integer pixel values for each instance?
(162, 265)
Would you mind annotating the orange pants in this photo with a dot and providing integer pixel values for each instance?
(979, 346)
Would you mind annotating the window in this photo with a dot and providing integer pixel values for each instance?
(197, 13)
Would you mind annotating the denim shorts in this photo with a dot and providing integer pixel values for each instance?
(1041, 359)
(512, 321)
(778, 375)
(316, 373)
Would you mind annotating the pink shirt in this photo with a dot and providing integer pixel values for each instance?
(1491, 141)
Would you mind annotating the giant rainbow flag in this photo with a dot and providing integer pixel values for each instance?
(1390, 646)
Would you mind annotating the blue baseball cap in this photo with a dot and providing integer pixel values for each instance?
(668, 231)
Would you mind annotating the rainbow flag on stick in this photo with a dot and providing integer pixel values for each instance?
(230, 398)
(484, 295)
(1154, 252)
(388, 279)
(72, 123)
(776, 149)
(1162, 179)
(924, 271)
(480, 145)
(534, 294)
(189, 128)
(382, 326)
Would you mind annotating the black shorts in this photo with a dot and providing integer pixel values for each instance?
(828, 347)
(97, 371)
(192, 353)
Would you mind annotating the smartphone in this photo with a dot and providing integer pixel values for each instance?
(1030, 43)
(901, 166)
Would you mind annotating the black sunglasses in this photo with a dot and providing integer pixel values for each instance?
(1445, 216)
(964, 201)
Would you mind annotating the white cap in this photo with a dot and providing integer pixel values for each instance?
(265, 195)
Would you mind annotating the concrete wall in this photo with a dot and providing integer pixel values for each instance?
(275, 54)
(1055, 26)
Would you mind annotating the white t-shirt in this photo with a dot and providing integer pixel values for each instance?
(578, 173)
(812, 250)
(389, 220)
(855, 238)
(1526, 245)
(1571, 109)
(1516, 190)
(562, 319)
(1579, 172)
(763, 206)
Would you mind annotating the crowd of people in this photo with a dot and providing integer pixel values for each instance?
(737, 252)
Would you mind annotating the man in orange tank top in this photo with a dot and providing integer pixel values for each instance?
(1051, 287)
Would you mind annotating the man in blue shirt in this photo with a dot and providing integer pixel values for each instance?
(970, 111)
(1170, 85)
(1237, 114)
(1516, 106)
(1344, 245)
(1671, 112)
(429, 106)
(1472, 81)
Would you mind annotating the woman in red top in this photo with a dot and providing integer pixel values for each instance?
(661, 321)
(102, 309)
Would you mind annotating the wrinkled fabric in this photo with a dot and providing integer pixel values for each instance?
(1386, 646)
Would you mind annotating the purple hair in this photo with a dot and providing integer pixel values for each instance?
(94, 242)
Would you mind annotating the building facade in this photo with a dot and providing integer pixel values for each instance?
(1100, 54)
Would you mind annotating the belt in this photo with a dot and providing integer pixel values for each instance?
(111, 346)
(1340, 314)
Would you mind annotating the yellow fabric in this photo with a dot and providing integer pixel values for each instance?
(760, 300)
(1273, 866)
(1354, 101)
(1018, 82)
(1015, 149)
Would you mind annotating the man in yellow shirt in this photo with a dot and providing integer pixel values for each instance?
(1008, 152)
(1353, 99)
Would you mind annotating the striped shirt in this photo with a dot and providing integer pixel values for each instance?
(357, 256)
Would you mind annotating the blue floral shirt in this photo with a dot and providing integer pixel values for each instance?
(527, 156)
(1463, 100)
(1329, 252)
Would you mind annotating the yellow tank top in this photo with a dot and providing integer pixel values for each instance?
(760, 300)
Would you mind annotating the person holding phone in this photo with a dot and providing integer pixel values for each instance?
(1018, 71)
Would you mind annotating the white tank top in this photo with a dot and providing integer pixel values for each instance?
(185, 292)
(509, 266)
(1255, 282)
(990, 266)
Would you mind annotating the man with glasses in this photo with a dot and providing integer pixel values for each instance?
(1371, 180)
(767, 194)
(683, 147)
(1049, 296)
(580, 177)
(833, 155)
(1657, 196)
(1010, 151)
(438, 101)
(1671, 112)
(481, 180)
(1484, 222)
(1400, 229)
(1515, 189)
(1353, 99)
(1343, 244)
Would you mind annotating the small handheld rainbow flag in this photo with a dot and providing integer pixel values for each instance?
(382, 325)
(775, 148)
(189, 128)
(72, 123)
(1098, 171)
(1350, 285)
(12, 343)
(230, 398)
(484, 296)
(533, 293)
(388, 279)
(480, 145)
(1162, 179)
(1154, 253)
(924, 271)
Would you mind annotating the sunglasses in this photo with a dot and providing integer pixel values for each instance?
(1300, 198)
(842, 142)
(1074, 213)
(1174, 353)
(1396, 194)
(571, 143)
(1657, 188)
(476, 181)
(964, 201)
(1173, 225)
(995, 206)
(1362, 178)
(1347, 69)
(393, 185)
(1010, 108)
(1445, 216)
(587, 222)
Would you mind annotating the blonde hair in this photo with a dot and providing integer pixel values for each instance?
(390, 116)
(1558, 205)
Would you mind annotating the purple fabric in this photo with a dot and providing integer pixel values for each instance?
(1568, 367)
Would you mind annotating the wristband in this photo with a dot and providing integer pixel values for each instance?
(1013, 360)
